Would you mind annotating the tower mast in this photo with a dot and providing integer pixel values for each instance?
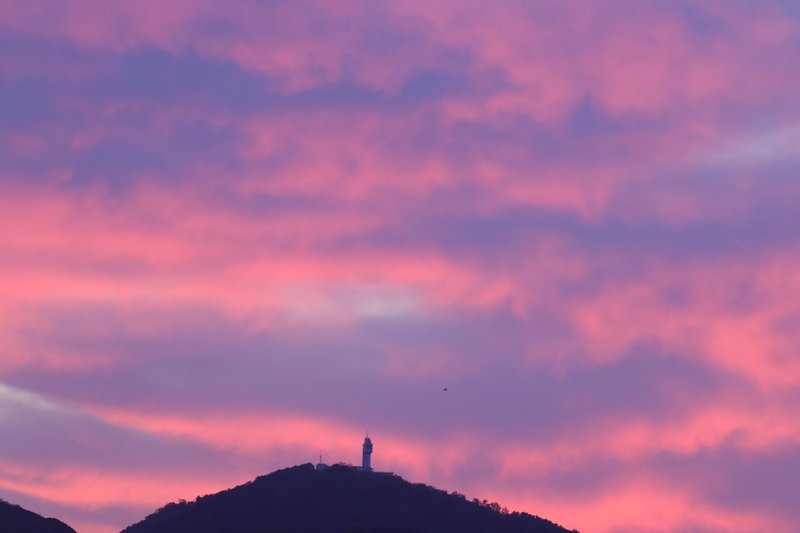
(366, 454)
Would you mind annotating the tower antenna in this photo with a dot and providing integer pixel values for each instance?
(366, 454)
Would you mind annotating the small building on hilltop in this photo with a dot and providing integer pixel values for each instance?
(366, 459)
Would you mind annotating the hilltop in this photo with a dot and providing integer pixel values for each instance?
(15, 519)
(337, 499)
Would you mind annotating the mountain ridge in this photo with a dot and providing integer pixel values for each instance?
(339, 498)
(17, 519)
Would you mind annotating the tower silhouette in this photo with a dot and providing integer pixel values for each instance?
(366, 454)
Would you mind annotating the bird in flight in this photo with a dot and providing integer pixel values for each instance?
(444, 389)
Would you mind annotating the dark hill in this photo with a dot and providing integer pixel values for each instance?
(337, 499)
(15, 519)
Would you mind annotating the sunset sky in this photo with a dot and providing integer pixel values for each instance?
(236, 234)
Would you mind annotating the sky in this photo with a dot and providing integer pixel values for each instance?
(236, 235)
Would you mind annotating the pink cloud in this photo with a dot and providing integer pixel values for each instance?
(394, 196)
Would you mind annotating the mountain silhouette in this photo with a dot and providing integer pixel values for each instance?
(341, 499)
(15, 519)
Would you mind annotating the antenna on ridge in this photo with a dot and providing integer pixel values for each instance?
(320, 464)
